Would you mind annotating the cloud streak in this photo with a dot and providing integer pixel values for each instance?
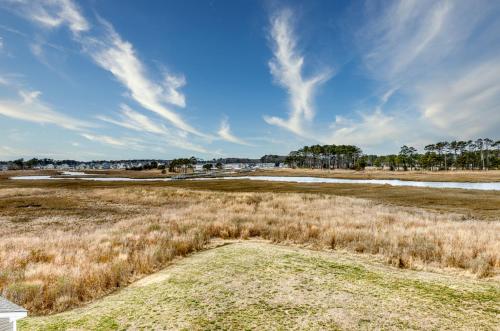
(118, 56)
(468, 105)
(108, 50)
(286, 67)
(430, 54)
(133, 120)
(31, 109)
(105, 139)
(53, 14)
(226, 134)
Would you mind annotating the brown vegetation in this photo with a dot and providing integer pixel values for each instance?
(60, 247)
(471, 204)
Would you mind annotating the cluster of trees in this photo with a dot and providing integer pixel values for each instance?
(148, 166)
(20, 164)
(479, 154)
(210, 166)
(182, 164)
(271, 158)
(326, 157)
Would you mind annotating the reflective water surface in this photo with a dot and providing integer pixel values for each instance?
(393, 182)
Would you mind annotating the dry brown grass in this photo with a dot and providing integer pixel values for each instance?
(484, 205)
(61, 247)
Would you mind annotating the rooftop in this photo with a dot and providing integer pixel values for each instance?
(8, 307)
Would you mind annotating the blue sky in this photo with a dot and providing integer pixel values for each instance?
(161, 79)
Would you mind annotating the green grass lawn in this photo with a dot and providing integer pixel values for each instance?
(258, 286)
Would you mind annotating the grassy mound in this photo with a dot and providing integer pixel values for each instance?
(254, 285)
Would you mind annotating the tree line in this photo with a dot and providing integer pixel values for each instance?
(326, 156)
(479, 154)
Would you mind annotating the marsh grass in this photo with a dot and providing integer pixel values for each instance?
(55, 258)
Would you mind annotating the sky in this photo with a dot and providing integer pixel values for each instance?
(116, 79)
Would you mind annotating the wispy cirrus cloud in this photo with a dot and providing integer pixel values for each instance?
(30, 108)
(287, 69)
(4, 81)
(122, 142)
(133, 120)
(369, 129)
(130, 119)
(466, 106)
(105, 139)
(441, 57)
(226, 134)
(52, 13)
(118, 56)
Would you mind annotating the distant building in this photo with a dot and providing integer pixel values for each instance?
(9, 314)
(266, 165)
(235, 166)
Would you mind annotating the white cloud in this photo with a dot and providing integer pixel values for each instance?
(37, 50)
(133, 120)
(54, 13)
(387, 95)
(106, 140)
(119, 57)
(113, 54)
(31, 109)
(171, 94)
(29, 96)
(4, 81)
(226, 134)
(287, 69)
(368, 130)
(442, 57)
(6, 151)
(468, 105)
(407, 39)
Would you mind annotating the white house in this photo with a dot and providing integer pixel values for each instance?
(9, 314)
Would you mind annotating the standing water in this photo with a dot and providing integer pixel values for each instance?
(495, 186)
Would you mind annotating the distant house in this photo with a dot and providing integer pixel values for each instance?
(9, 314)
(4, 167)
(266, 165)
(235, 166)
